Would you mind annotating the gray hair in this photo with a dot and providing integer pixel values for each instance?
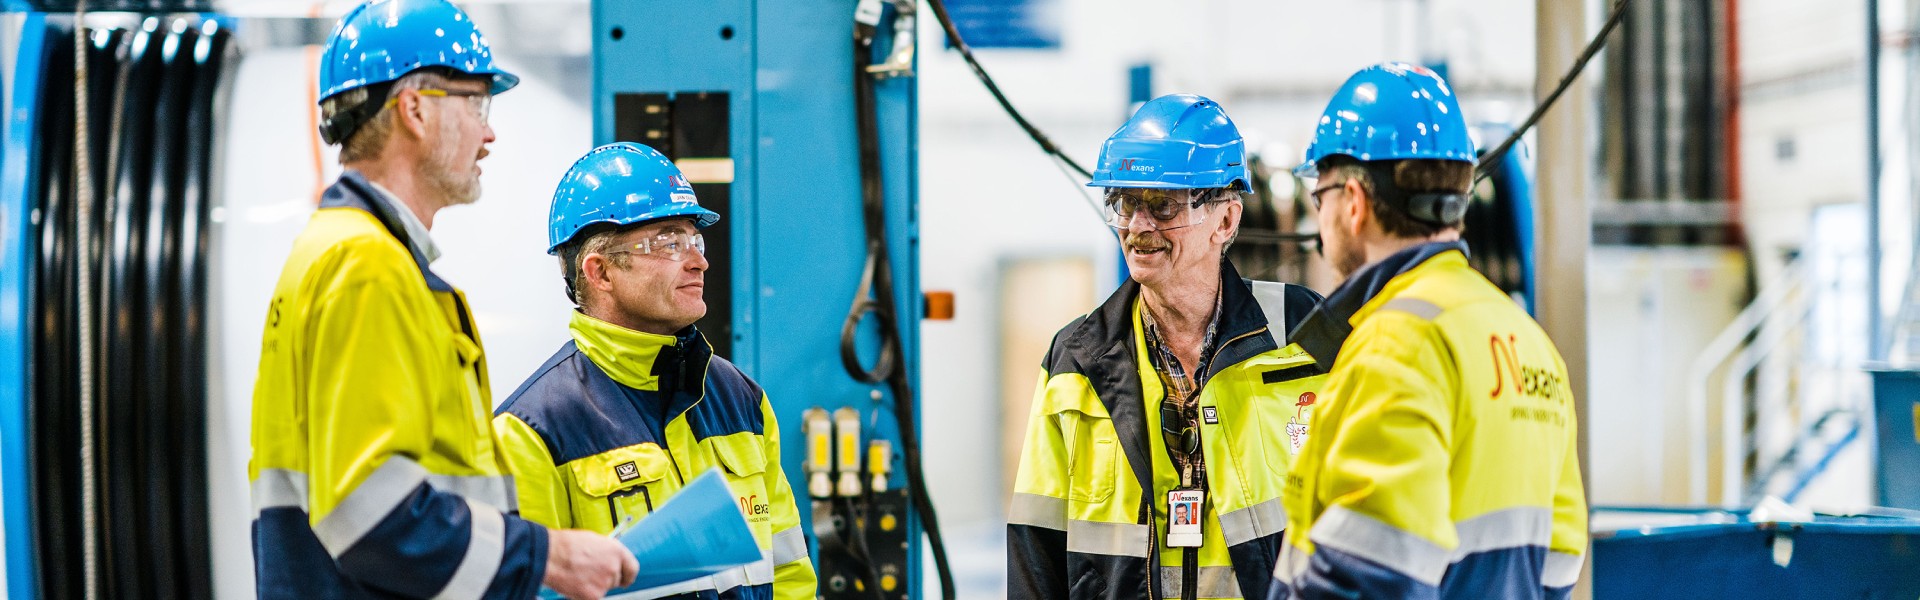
(573, 257)
(371, 137)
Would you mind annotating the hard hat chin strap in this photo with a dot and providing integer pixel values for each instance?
(1441, 209)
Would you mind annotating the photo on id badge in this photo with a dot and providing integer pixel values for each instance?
(1183, 518)
(1186, 508)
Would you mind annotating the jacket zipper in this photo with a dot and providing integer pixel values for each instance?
(1190, 557)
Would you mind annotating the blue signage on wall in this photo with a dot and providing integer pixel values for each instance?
(1008, 23)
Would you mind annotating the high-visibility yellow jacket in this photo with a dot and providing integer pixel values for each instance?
(1088, 516)
(374, 472)
(1443, 462)
(618, 420)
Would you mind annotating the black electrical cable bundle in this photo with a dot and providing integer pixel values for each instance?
(150, 102)
(878, 281)
(1491, 160)
(124, 441)
(958, 43)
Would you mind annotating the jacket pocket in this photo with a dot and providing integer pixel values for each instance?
(745, 460)
(1092, 446)
(620, 484)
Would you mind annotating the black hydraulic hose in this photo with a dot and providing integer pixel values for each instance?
(159, 259)
(880, 274)
(126, 437)
(1491, 160)
(191, 336)
(958, 43)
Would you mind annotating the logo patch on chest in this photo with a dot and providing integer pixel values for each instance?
(1211, 414)
(626, 471)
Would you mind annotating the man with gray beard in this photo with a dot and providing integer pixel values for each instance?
(1165, 421)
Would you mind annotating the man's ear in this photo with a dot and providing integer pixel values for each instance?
(1359, 209)
(594, 273)
(411, 112)
(1231, 223)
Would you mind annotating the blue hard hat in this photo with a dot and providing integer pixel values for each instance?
(1391, 111)
(382, 40)
(622, 183)
(1177, 141)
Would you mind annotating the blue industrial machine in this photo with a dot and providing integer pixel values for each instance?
(795, 121)
(1706, 553)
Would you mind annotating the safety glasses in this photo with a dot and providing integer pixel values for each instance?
(672, 245)
(1165, 209)
(1181, 428)
(480, 101)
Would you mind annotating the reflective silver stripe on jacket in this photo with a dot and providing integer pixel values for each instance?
(1348, 531)
(1253, 522)
(485, 547)
(1038, 511)
(372, 501)
(1214, 582)
(1113, 539)
(1561, 570)
(494, 490)
(1501, 529)
(279, 488)
(789, 545)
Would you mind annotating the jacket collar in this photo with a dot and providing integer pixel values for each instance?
(1103, 345)
(354, 191)
(632, 358)
(1242, 331)
(645, 361)
(1325, 329)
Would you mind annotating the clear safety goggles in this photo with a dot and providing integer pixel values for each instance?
(480, 102)
(672, 245)
(1162, 210)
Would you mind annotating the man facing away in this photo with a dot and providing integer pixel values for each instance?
(1444, 459)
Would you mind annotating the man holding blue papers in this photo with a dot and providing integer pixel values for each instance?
(636, 405)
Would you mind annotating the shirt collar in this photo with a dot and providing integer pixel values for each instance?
(417, 233)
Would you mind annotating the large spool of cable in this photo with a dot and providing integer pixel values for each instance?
(154, 89)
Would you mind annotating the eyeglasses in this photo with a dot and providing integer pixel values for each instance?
(480, 101)
(1315, 194)
(1180, 427)
(1168, 209)
(673, 245)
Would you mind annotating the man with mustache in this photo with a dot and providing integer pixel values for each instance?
(1175, 392)
(374, 470)
(636, 405)
(1445, 462)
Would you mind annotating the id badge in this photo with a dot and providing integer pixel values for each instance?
(1184, 509)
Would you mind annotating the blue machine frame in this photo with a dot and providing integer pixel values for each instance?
(796, 231)
(16, 283)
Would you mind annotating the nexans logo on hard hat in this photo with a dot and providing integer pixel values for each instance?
(1390, 111)
(621, 184)
(1177, 141)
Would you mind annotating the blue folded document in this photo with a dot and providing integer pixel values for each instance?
(691, 543)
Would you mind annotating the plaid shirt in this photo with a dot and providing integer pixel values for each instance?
(1179, 410)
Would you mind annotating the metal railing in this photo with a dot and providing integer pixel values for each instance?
(1791, 396)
